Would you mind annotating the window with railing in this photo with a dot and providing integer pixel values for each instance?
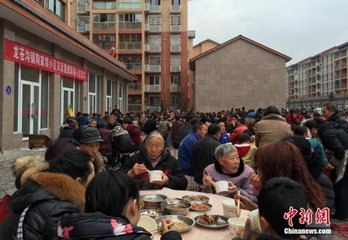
(129, 4)
(104, 21)
(134, 85)
(132, 62)
(154, 80)
(105, 41)
(130, 41)
(154, 60)
(57, 7)
(104, 5)
(130, 21)
(175, 20)
(154, 100)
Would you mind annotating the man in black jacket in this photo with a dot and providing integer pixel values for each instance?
(203, 151)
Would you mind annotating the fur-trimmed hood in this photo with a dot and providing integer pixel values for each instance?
(43, 186)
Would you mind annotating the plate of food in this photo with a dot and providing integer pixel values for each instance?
(181, 223)
(154, 213)
(211, 221)
(198, 206)
(195, 198)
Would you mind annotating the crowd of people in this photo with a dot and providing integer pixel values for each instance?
(87, 185)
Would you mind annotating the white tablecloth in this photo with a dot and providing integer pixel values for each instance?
(197, 232)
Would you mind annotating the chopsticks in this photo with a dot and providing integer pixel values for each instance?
(161, 228)
(238, 203)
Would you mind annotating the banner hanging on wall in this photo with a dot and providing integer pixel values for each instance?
(22, 54)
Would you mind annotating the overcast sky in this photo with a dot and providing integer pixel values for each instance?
(297, 28)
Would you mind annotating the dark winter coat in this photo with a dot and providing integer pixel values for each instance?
(50, 196)
(96, 225)
(203, 155)
(334, 139)
(168, 164)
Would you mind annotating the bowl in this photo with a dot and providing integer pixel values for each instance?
(199, 206)
(175, 207)
(152, 201)
(182, 223)
(194, 198)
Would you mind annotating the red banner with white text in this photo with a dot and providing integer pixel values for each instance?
(22, 54)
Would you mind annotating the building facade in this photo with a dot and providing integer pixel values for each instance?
(48, 72)
(150, 37)
(319, 79)
(238, 73)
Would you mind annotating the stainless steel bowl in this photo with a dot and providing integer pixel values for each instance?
(152, 201)
(176, 207)
(182, 223)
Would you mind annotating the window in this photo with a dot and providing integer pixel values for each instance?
(93, 96)
(175, 100)
(175, 60)
(130, 17)
(155, 2)
(105, 41)
(129, 4)
(175, 39)
(155, 20)
(175, 20)
(44, 99)
(154, 80)
(154, 100)
(153, 60)
(175, 80)
(155, 39)
(57, 7)
(175, 2)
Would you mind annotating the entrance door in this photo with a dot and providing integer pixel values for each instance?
(67, 103)
(30, 108)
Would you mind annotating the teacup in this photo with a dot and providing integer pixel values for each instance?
(155, 175)
(221, 187)
(255, 221)
(236, 226)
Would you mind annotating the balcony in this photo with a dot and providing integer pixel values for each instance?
(152, 68)
(175, 8)
(175, 48)
(152, 28)
(134, 86)
(82, 8)
(152, 88)
(129, 46)
(175, 28)
(130, 25)
(104, 25)
(175, 68)
(175, 88)
(83, 28)
(129, 5)
(152, 8)
(133, 66)
(108, 5)
(152, 48)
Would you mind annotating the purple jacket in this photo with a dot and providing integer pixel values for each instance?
(242, 181)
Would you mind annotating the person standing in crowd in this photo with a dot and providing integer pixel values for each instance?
(335, 140)
(240, 128)
(46, 196)
(229, 167)
(175, 129)
(224, 137)
(246, 149)
(154, 156)
(134, 133)
(112, 212)
(203, 152)
(271, 128)
(185, 152)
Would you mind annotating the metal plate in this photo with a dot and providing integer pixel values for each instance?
(221, 221)
(177, 218)
(154, 213)
(191, 198)
(194, 204)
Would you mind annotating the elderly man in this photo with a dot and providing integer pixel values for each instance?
(272, 127)
(185, 152)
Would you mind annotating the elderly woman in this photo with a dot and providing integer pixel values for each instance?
(153, 156)
(229, 167)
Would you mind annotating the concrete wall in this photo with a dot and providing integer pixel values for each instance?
(239, 74)
(202, 47)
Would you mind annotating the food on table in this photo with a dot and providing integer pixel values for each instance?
(200, 207)
(154, 213)
(175, 206)
(196, 198)
(208, 219)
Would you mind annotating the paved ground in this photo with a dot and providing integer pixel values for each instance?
(6, 160)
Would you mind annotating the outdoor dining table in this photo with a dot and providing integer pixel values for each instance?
(198, 232)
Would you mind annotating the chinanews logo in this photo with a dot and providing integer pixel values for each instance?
(321, 216)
